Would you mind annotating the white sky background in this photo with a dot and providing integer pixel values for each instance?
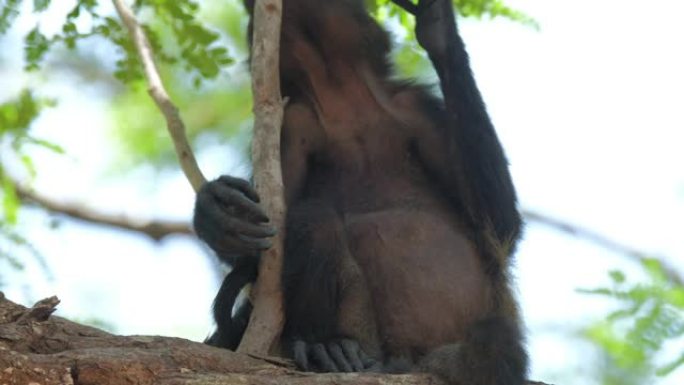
(590, 110)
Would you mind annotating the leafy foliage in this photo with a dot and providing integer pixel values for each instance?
(16, 117)
(191, 44)
(219, 112)
(650, 315)
(219, 109)
(195, 42)
(178, 36)
(8, 13)
(468, 8)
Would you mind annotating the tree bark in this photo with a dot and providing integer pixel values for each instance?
(267, 318)
(37, 348)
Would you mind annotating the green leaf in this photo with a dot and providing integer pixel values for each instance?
(29, 165)
(36, 46)
(600, 291)
(617, 276)
(74, 13)
(624, 313)
(675, 297)
(45, 144)
(40, 5)
(8, 13)
(654, 269)
(10, 201)
(16, 115)
(69, 27)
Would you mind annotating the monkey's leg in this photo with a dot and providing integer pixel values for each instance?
(492, 354)
(325, 304)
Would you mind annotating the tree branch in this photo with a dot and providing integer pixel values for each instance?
(602, 241)
(156, 89)
(37, 348)
(267, 318)
(154, 229)
(159, 229)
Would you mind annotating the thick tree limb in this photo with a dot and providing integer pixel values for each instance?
(155, 229)
(267, 318)
(49, 350)
(174, 123)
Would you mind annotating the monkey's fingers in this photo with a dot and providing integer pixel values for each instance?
(323, 361)
(300, 355)
(338, 356)
(256, 244)
(242, 245)
(211, 221)
(407, 5)
(352, 350)
(423, 4)
(226, 234)
(230, 197)
(242, 185)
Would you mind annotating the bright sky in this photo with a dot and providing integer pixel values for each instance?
(590, 110)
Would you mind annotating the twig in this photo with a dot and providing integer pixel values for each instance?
(154, 229)
(156, 89)
(266, 322)
(603, 241)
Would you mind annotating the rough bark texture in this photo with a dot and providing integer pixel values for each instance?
(36, 348)
(266, 322)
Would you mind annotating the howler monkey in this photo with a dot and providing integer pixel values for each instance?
(402, 215)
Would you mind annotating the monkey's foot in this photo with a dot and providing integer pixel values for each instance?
(339, 355)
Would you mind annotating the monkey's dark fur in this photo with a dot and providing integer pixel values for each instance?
(402, 215)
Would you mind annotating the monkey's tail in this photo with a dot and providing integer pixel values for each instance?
(230, 327)
(491, 354)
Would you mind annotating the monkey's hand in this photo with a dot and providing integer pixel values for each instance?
(339, 355)
(408, 6)
(435, 24)
(229, 219)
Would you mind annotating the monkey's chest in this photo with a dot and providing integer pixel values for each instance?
(367, 172)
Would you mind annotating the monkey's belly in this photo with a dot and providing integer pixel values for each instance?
(426, 281)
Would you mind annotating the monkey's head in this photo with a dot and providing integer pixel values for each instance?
(318, 33)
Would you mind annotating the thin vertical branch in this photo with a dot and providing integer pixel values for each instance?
(266, 322)
(174, 123)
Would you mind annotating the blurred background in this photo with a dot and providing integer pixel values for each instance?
(587, 97)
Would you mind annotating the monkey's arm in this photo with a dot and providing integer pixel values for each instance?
(481, 168)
